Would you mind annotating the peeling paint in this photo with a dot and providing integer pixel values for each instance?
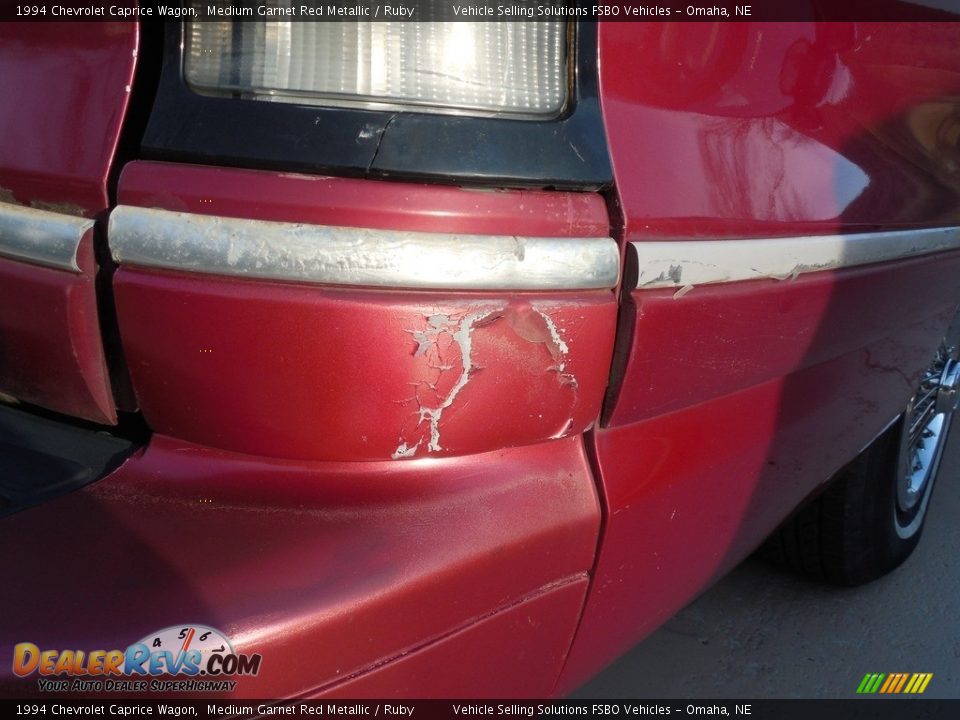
(442, 332)
(560, 351)
(554, 333)
(682, 291)
(461, 332)
(404, 451)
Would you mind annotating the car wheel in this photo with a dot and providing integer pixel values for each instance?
(870, 517)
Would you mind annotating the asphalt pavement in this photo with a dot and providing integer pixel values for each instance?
(762, 632)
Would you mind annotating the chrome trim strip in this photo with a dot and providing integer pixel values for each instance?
(683, 263)
(356, 256)
(41, 237)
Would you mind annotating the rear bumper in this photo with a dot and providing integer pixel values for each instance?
(348, 578)
(333, 319)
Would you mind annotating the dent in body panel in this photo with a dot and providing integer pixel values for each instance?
(446, 345)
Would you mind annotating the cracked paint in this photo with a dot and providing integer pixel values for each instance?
(445, 342)
(461, 333)
(559, 351)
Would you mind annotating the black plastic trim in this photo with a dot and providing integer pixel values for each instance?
(568, 152)
(41, 458)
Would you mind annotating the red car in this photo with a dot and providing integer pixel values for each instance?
(413, 358)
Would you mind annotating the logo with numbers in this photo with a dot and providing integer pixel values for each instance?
(189, 649)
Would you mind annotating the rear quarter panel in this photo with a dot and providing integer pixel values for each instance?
(733, 402)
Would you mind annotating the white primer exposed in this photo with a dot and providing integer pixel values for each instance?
(684, 263)
(461, 331)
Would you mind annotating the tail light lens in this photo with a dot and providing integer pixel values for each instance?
(469, 68)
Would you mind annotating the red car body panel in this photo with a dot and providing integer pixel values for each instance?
(295, 197)
(72, 90)
(515, 653)
(747, 129)
(51, 353)
(764, 376)
(326, 569)
(318, 373)
(721, 339)
(536, 540)
(737, 400)
(348, 384)
(59, 140)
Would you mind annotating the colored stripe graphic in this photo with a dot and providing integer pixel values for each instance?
(870, 683)
(894, 683)
(903, 681)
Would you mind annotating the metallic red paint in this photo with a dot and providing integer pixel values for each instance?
(755, 129)
(777, 384)
(66, 88)
(50, 349)
(515, 653)
(737, 401)
(322, 200)
(324, 374)
(326, 569)
(720, 339)
(65, 96)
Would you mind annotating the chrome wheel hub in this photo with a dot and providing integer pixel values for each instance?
(927, 420)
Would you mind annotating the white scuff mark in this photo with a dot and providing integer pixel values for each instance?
(461, 332)
(682, 291)
(720, 261)
(368, 132)
(558, 341)
(792, 275)
(562, 350)
(404, 451)
(564, 431)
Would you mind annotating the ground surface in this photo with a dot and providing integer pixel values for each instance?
(764, 633)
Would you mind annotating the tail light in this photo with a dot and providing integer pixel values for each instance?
(472, 68)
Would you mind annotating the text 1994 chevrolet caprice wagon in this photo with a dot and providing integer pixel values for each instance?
(451, 358)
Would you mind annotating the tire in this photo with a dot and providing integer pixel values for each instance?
(870, 518)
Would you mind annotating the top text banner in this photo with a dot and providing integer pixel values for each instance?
(482, 10)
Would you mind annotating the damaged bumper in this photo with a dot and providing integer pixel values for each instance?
(359, 337)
